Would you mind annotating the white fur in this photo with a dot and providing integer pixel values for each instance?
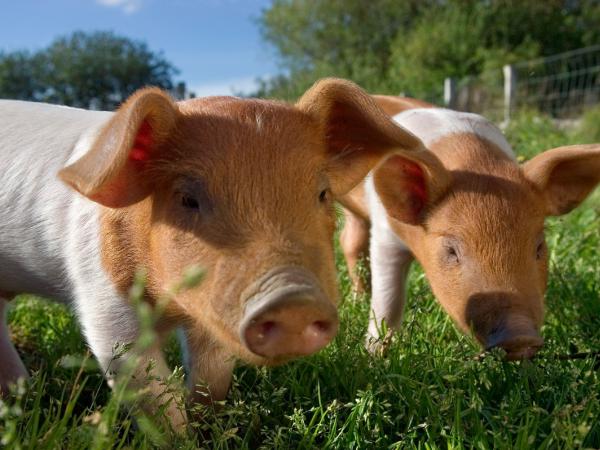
(36, 141)
(49, 234)
(432, 124)
(390, 261)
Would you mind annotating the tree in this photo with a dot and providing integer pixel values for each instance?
(346, 38)
(468, 37)
(393, 46)
(92, 70)
(19, 77)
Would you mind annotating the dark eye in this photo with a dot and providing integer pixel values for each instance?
(540, 250)
(189, 202)
(451, 254)
(450, 251)
(323, 196)
(192, 194)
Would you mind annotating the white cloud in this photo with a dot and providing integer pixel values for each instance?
(128, 6)
(230, 86)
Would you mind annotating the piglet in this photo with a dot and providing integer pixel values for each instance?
(474, 219)
(241, 187)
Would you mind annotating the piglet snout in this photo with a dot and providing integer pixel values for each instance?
(295, 328)
(518, 343)
(288, 316)
(506, 320)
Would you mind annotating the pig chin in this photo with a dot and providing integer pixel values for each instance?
(286, 315)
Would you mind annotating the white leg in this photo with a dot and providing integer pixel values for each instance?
(11, 366)
(390, 261)
(108, 322)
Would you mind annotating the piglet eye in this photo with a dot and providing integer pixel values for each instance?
(541, 249)
(451, 254)
(323, 196)
(191, 193)
(189, 202)
(450, 251)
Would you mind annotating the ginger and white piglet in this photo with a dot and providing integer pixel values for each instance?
(240, 187)
(474, 219)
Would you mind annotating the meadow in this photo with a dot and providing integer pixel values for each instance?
(431, 390)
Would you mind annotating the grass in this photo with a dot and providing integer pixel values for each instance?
(428, 392)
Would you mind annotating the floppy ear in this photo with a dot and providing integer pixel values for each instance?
(358, 134)
(409, 185)
(565, 175)
(112, 171)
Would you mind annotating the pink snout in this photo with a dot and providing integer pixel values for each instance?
(289, 321)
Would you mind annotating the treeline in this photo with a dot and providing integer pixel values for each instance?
(410, 46)
(90, 70)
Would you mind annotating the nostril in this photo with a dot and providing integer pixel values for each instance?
(318, 332)
(321, 327)
(262, 332)
(316, 335)
(266, 328)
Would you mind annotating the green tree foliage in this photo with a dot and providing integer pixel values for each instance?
(19, 76)
(347, 38)
(410, 45)
(97, 70)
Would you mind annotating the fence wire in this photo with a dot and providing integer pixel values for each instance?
(561, 86)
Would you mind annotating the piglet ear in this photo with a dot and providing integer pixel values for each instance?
(358, 134)
(112, 171)
(408, 186)
(565, 175)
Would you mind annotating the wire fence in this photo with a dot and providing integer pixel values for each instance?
(562, 86)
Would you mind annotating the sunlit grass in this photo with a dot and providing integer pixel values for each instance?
(428, 392)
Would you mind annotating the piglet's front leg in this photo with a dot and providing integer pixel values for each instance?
(390, 262)
(109, 323)
(354, 240)
(210, 367)
(11, 366)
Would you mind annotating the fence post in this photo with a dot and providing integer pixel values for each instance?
(510, 86)
(450, 93)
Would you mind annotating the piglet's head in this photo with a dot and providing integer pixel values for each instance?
(244, 189)
(479, 233)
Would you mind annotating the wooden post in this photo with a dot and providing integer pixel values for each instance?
(450, 93)
(510, 86)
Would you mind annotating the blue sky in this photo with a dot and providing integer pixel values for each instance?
(215, 43)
